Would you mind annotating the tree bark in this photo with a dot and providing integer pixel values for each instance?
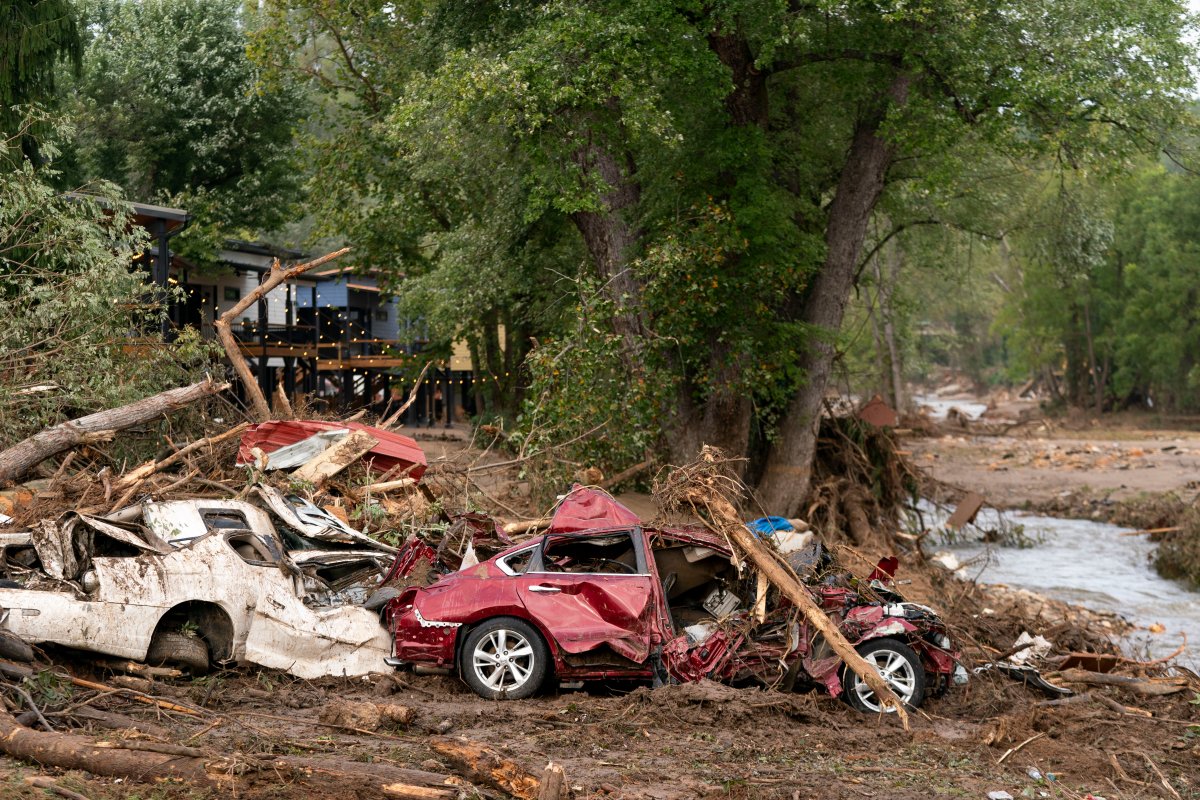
(481, 764)
(17, 460)
(322, 777)
(259, 405)
(612, 239)
(788, 473)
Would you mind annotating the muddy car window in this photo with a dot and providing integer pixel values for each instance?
(223, 520)
(590, 554)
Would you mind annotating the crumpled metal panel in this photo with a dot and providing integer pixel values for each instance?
(592, 610)
(393, 450)
(585, 508)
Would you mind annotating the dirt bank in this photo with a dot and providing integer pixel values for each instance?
(1029, 471)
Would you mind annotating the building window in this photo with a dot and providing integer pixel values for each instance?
(381, 315)
(232, 294)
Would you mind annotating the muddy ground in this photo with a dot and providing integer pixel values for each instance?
(704, 741)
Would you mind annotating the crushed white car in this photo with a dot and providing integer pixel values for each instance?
(276, 582)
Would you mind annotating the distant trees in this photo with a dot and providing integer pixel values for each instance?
(169, 107)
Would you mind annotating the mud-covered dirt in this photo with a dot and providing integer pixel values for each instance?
(694, 741)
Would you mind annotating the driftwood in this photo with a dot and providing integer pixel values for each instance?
(17, 460)
(260, 409)
(1146, 686)
(481, 764)
(333, 460)
(704, 485)
(626, 474)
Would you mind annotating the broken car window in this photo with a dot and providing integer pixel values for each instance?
(516, 563)
(609, 554)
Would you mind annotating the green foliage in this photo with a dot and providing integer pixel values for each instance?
(170, 108)
(564, 167)
(35, 36)
(579, 397)
(73, 306)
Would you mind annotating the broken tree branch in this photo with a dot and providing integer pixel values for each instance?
(139, 474)
(706, 484)
(17, 460)
(481, 764)
(260, 409)
(412, 397)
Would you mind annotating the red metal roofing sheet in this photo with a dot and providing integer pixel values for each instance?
(393, 448)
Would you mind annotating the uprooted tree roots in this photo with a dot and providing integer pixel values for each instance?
(860, 483)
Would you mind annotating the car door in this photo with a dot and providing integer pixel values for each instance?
(592, 589)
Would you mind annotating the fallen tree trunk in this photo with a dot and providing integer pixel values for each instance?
(702, 486)
(481, 764)
(17, 460)
(260, 408)
(324, 777)
(1146, 686)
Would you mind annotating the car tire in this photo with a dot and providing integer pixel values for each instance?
(504, 659)
(174, 647)
(900, 667)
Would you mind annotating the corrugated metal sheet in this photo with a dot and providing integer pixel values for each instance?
(393, 448)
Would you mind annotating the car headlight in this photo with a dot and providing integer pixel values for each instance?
(89, 581)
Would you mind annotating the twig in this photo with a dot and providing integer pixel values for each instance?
(33, 706)
(1161, 777)
(1012, 750)
(42, 782)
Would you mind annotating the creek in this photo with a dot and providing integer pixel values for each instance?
(1090, 564)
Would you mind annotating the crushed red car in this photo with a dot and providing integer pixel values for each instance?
(601, 597)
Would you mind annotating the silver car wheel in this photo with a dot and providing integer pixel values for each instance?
(503, 660)
(898, 671)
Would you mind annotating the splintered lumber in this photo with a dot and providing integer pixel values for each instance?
(260, 409)
(17, 460)
(333, 460)
(702, 486)
(481, 764)
(554, 783)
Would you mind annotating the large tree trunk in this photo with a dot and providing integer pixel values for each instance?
(612, 239)
(785, 481)
(24, 456)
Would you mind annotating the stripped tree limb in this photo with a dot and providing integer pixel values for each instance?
(412, 396)
(261, 410)
(17, 460)
(139, 474)
(707, 485)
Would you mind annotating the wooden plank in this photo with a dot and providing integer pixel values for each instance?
(966, 511)
(330, 462)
